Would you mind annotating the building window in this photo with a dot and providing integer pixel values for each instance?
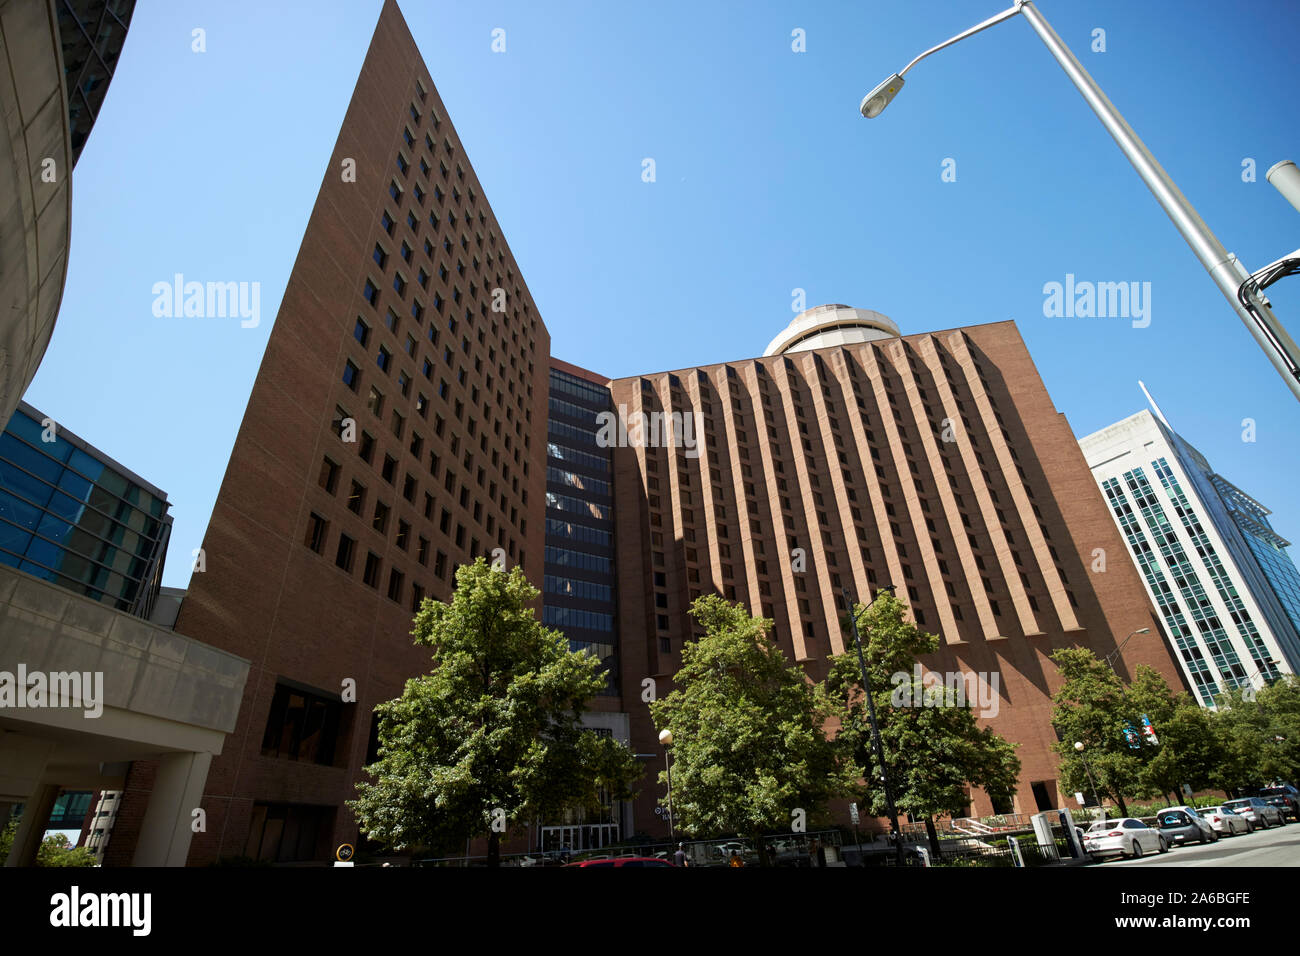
(316, 530)
(371, 575)
(302, 726)
(356, 498)
(346, 550)
(351, 375)
(329, 475)
(362, 333)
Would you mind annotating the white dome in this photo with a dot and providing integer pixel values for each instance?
(825, 326)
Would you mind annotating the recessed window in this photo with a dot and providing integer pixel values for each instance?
(356, 497)
(381, 257)
(375, 402)
(346, 550)
(329, 475)
(371, 573)
(384, 359)
(351, 375)
(361, 332)
(387, 222)
(389, 470)
(316, 530)
(366, 449)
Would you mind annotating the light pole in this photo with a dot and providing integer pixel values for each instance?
(875, 728)
(1113, 656)
(1078, 745)
(1242, 289)
(666, 738)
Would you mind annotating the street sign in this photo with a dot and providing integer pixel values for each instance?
(344, 853)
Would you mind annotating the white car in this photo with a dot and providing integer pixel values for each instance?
(1126, 836)
(1226, 820)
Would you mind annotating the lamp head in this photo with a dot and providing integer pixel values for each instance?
(1078, 745)
(665, 737)
(874, 103)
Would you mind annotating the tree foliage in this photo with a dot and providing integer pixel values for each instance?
(1095, 708)
(491, 738)
(934, 748)
(1258, 731)
(749, 747)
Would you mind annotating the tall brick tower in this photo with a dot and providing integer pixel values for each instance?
(393, 433)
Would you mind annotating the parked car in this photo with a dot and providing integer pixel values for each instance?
(1184, 825)
(1226, 821)
(1259, 813)
(723, 850)
(1126, 836)
(1285, 797)
(620, 861)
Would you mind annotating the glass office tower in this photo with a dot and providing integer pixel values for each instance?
(73, 516)
(578, 594)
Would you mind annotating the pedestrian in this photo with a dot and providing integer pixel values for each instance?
(735, 859)
(679, 858)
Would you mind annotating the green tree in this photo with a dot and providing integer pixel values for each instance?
(1259, 733)
(934, 748)
(53, 851)
(1188, 750)
(749, 747)
(1091, 708)
(491, 738)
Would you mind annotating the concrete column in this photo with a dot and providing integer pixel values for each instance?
(31, 829)
(178, 789)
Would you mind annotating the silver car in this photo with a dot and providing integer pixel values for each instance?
(1127, 836)
(1225, 821)
(1182, 825)
(1261, 814)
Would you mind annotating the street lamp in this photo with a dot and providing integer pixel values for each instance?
(666, 738)
(1243, 290)
(1113, 656)
(1078, 745)
(875, 728)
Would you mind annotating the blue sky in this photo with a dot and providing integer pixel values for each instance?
(767, 180)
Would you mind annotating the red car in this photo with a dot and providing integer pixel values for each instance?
(622, 861)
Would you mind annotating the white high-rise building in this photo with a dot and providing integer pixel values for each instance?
(1222, 608)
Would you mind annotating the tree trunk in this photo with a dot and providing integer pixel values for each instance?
(494, 849)
(1123, 807)
(933, 834)
(762, 849)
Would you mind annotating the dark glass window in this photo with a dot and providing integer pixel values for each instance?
(302, 726)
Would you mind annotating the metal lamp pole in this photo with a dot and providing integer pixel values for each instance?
(875, 728)
(1113, 656)
(666, 738)
(1078, 745)
(1239, 287)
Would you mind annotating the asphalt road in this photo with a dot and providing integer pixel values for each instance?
(1279, 846)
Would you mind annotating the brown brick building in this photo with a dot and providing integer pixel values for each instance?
(408, 417)
(392, 433)
(933, 462)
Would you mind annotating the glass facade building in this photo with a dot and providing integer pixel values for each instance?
(92, 34)
(73, 516)
(1213, 567)
(1268, 547)
(579, 593)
